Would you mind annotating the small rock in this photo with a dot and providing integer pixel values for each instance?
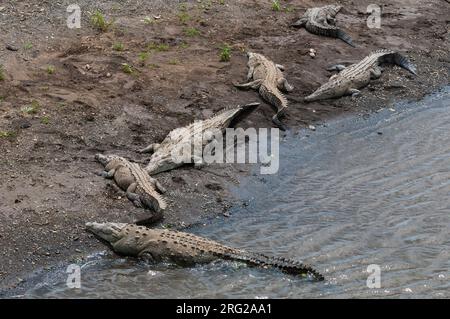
(380, 133)
(108, 75)
(226, 214)
(312, 127)
(10, 47)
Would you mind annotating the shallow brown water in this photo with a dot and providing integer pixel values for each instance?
(354, 193)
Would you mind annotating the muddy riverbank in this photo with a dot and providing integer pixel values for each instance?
(67, 96)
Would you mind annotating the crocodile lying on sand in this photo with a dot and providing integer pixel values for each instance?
(196, 133)
(322, 21)
(358, 75)
(184, 248)
(140, 188)
(267, 77)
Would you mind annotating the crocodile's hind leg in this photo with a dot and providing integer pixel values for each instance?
(250, 85)
(331, 19)
(284, 85)
(157, 185)
(375, 73)
(133, 197)
(149, 149)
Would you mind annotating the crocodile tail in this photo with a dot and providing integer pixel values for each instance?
(288, 266)
(232, 112)
(277, 99)
(398, 59)
(330, 31)
(345, 37)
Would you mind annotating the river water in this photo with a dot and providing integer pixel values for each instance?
(357, 192)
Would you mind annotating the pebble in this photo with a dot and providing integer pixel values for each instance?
(312, 127)
(11, 47)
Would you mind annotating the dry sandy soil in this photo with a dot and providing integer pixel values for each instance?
(54, 119)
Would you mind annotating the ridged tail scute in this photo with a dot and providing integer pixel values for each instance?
(345, 37)
(288, 266)
(332, 32)
(398, 59)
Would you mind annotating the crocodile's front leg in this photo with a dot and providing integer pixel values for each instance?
(354, 92)
(280, 67)
(133, 197)
(150, 149)
(300, 23)
(106, 174)
(250, 85)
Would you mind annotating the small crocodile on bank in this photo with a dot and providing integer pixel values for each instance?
(195, 133)
(186, 249)
(356, 76)
(141, 189)
(267, 77)
(321, 21)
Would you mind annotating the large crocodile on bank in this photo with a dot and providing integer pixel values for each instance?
(267, 77)
(321, 21)
(186, 249)
(356, 76)
(197, 133)
(141, 189)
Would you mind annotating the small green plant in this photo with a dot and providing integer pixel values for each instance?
(159, 47)
(184, 45)
(126, 68)
(191, 32)
(28, 46)
(6, 134)
(276, 6)
(225, 53)
(50, 69)
(2, 73)
(45, 120)
(32, 108)
(118, 46)
(222, 2)
(174, 61)
(149, 20)
(153, 66)
(99, 22)
(143, 56)
(184, 17)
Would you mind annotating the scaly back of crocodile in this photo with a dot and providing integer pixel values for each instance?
(268, 90)
(317, 24)
(376, 58)
(142, 179)
(176, 244)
